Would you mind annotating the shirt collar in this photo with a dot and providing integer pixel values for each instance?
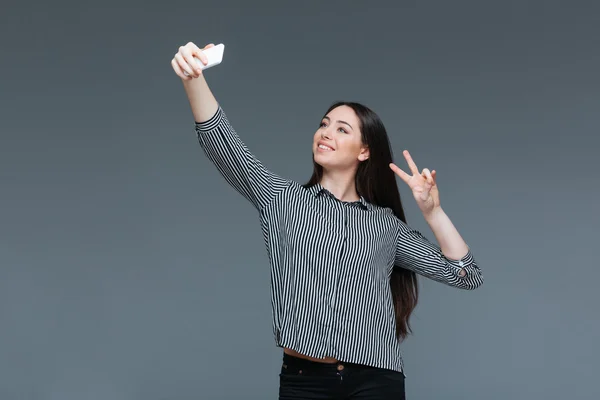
(317, 189)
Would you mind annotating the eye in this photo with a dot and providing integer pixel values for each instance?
(322, 124)
(343, 130)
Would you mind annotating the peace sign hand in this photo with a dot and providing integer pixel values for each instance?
(422, 184)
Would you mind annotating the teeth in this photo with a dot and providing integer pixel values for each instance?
(325, 147)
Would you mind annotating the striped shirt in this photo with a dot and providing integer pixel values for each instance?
(330, 260)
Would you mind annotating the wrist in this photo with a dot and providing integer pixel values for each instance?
(433, 214)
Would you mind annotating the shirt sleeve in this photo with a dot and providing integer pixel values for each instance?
(240, 168)
(416, 253)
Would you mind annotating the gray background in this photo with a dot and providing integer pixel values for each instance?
(131, 270)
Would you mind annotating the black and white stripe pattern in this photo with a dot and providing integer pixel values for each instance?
(330, 260)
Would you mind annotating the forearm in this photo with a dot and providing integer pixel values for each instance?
(451, 243)
(202, 102)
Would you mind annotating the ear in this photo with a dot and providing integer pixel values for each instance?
(364, 154)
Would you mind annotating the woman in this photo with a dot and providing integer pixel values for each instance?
(343, 260)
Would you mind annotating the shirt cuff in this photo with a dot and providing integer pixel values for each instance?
(466, 263)
(212, 122)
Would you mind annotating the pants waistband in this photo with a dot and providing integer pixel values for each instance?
(297, 363)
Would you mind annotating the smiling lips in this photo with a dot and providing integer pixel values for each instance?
(324, 147)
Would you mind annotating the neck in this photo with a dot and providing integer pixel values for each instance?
(340, 184)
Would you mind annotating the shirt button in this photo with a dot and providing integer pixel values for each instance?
(461, 263)
(340, 367)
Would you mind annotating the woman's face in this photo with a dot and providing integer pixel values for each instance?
(337, 144)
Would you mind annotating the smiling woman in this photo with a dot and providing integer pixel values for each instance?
(344, 262)
(335, 133)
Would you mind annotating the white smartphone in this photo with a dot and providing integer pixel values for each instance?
(214, 55)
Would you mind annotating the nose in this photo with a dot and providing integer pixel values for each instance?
(325, 134)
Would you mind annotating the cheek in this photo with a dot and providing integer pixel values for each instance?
(349, 146)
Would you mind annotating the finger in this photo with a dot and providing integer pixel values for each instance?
(192, 55)
(434, 175)
(179, 71)
(427, 176)
(183, 64)
(403, 175)
(199, 53)
(411, 163)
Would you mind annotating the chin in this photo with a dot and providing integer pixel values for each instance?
(323, 163)
(325, 160)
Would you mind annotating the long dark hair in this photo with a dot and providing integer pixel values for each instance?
(376, 182)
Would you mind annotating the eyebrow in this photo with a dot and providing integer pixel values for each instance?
(342, 122)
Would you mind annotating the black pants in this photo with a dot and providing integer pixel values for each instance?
(302, 379)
